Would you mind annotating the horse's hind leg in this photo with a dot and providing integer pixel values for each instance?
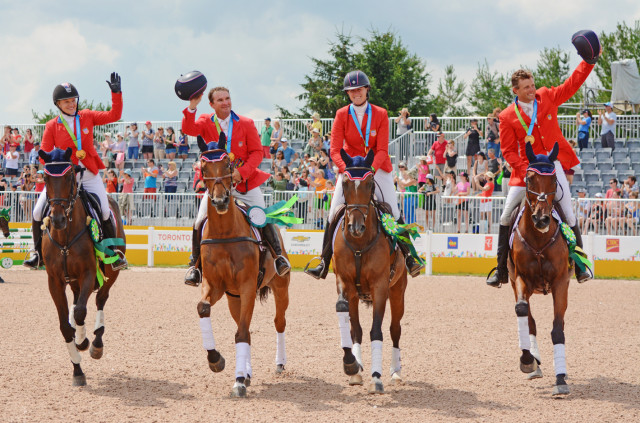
(81, 296)
(280, 289)
(528, 363)
(56, 288)
(396, 302)
(560, 293)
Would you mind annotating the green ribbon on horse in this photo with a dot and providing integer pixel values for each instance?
(4, 214)
(279, 213)
(102, 249)
(403, 232)
(576, 253)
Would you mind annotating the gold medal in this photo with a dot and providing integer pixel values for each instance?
(231, 157)
(529, 138)
(81, 154)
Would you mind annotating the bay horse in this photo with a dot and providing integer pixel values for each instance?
(69, 258)
(366, 269)
(4, 226)
(230, 257)
(538, 264)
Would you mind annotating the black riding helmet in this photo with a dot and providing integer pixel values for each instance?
(356, 79)
(64, 91)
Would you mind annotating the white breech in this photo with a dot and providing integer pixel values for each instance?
(281, 352)
(385, 192)
(345, 329)
(513, 200)
(91, 182)
(251, 198)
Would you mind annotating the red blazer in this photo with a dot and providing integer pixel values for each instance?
(344, 134)
(546, 130)
(245, 144)
(56, 135)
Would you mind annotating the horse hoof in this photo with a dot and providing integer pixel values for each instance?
(351, 368)
(529, 368)
(279, 369)
(80, 380)
(239, 390)
(560, 390)
(247, 381)
(536, 374)
(396, 378)
(218, 366)
(376, 386)
(84, 345)
(355, 379)
(96, 352)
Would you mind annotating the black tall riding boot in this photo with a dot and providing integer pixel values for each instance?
(413, 267)
(271, 236)
(109, 231)
(193, 275)
(321, 270)
(501, 274)
(580, 276)
(35, 260)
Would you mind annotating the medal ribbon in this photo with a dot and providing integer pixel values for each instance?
(77, 142)
(529, 130)
(352, 112)
(214, 118)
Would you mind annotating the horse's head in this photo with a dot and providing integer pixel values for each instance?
(358, 187)
(541, 186)
(4, 221)
(60, 181)
(217, 172)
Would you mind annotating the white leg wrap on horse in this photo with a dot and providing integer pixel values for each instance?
(207, 333)
(356, 350)
(559, 359)
(99, 319)
(534, 347)
(81, 334)
(345, 330)
(523, 333)
(243, 351)
(281, 352)
(249, 368)
(74, 353)
(376, 357)
(396, 366)
(72, 320)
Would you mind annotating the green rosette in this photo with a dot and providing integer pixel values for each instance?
(576, 253)
(279, 213)
(404, 233)
(4, 214)
(94, 231)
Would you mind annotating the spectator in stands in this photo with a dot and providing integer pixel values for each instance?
(613, 185)
(615, 215)
(304, 176)
(276, 137)
(286, 174)
(170, 177)
(486, 183)
(150, 177)
(29, 139)
(197, 176)
(265, 137)
(302, 205)
(5, 141)
(596, 214)
(437, 152)
(278, 183)
(326, 142)
(506, 177)
(324, 163)
(432, 126)
(480, 167)
(630, 186)
(288, 153)
(126, 196)
(632, 212)
(494, 164)
(319, 182)
(423, 171)
(463, 190)
(17, 138)
(170, 145)
(183, 145)
(11, 159)
(148, 136)
(278, 162)
(315, 144)
(132, 134)
(34, 159)
(304, 163)
(473, 142)
(607, 118)
(583, 208)
(583, 120)
(111, 181)
(403, 122)
(106, 150)
(451, 158)
(430, 190)
(407, 183)
(39, 181)
(492, 133)
(119, 149)
(315, 124)
(159, 142)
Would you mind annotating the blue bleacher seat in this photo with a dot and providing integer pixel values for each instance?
(587, 154)
(622, 164)
(588, 165)
(607, 176)
(605, 165)
(620, 154)
(619, 143)
(634, 155)
(592, 176)
(578, 176)
(603, 153)
(633, 144)
(595, 188)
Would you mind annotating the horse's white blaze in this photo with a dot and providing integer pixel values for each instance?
(208, 342)
(534, 347)
(74, 353)
(376, 357)
(357, 352)
(396, 366)
(99, 319)
(357, 183)
(81, 334)
(523, 333)
(72, 320)
(345, 330)
(559, 359)
(243, 352)
(281, 352)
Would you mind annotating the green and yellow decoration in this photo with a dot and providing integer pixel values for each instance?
(279, 213)
(576, 253)
(404, 233)
(102, 249)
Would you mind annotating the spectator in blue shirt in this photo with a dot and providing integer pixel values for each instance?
(34, 159)
(150, 177)
(289, 153)
(584, 122)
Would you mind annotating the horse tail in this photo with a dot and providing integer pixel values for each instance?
(263, 293)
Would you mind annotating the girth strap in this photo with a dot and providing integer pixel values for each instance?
(230, 240)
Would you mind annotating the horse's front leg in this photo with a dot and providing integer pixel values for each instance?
(80, 310)
(243, 342)
(528, 364)
(349, 361)
(216, 361)
(560, 293)
(280, 289)
(57, 291)
(97, 347)
(396, 303)
(356, 337)
(379, 294)
(535, 351)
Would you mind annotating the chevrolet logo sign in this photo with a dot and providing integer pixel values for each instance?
(300, 238)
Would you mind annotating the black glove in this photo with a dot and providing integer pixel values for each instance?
(588, 45)
(115, 83)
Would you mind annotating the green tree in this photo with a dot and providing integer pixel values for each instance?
(552, 70)
(489, 90)
(450, 97)
(623, 43)
(43, 118)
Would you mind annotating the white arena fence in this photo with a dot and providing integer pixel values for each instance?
(476, 215)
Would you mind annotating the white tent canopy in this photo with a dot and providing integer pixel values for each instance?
(625, 81)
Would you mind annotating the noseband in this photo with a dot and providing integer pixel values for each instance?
(73, 194)
(220, 181)
(540, 197)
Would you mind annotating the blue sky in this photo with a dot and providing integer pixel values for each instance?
(260, 50)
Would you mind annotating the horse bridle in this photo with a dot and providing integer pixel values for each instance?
(220, 181)
(73, 194)
(539, 196)
(359, 207)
